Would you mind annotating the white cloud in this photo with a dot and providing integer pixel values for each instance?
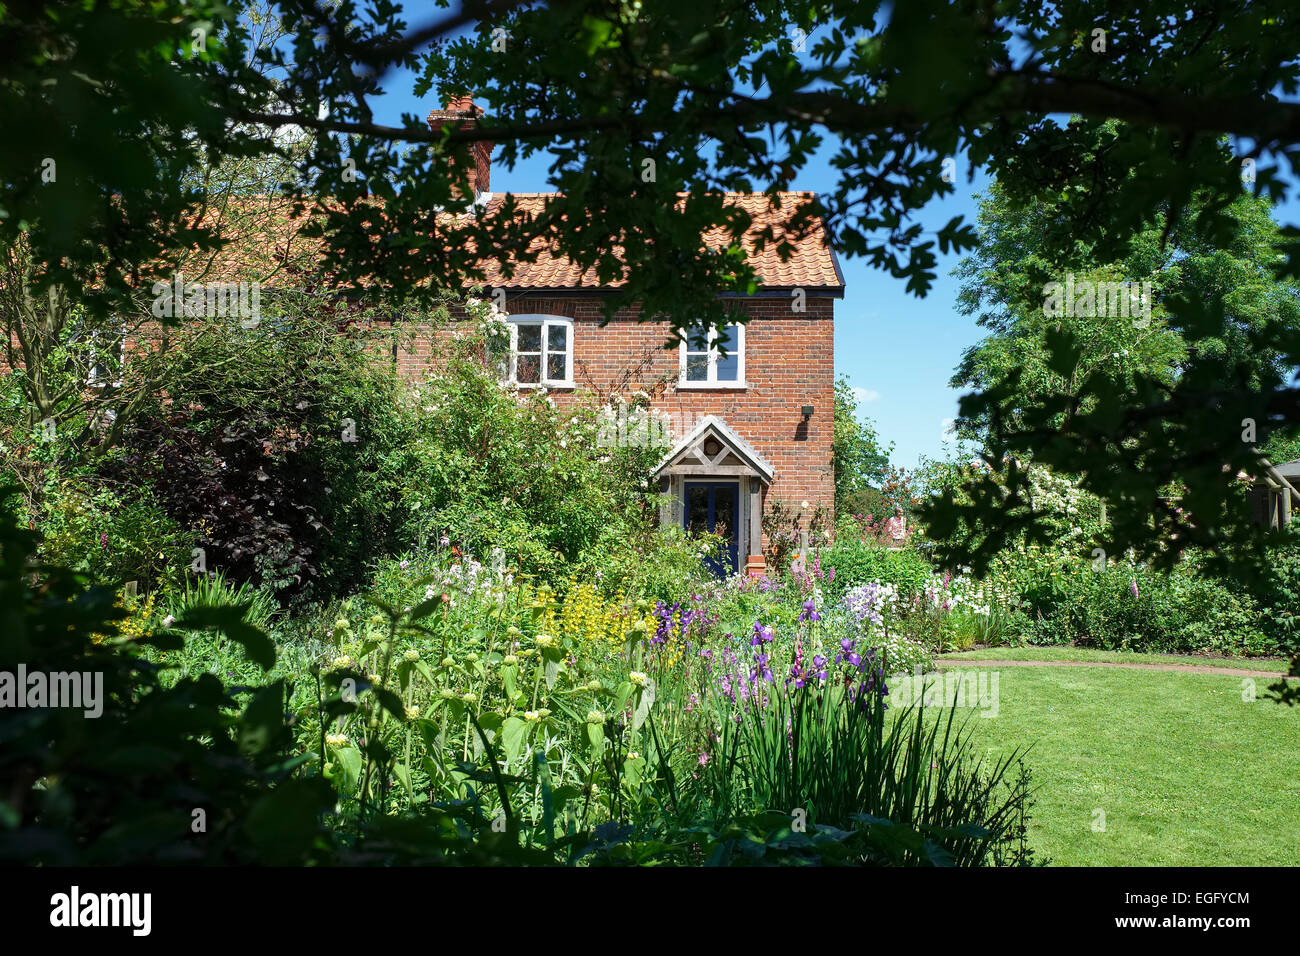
(864, 395)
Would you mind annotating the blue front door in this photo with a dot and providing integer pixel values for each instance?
(715, 506)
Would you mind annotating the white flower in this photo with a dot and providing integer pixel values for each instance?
(638, 678)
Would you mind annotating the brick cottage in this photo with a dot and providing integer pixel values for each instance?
(750, 405)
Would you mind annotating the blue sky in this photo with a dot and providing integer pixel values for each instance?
(898, 351)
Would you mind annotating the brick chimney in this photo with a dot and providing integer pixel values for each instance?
(461, 111)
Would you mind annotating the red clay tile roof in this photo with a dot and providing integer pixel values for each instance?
(812, 265)
(264, 245)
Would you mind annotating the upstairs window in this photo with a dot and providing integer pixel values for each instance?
(541, 351)
(713, 358)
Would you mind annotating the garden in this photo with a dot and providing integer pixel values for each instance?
(313, 609)
(461, 638)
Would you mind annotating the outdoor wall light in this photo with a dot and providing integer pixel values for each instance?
(808, 411)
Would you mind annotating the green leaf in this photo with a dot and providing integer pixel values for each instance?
(595, 34)
(403, 775)
(390, 702)
(621, 695)
(644, 701)
(425, 608)
(262, 720)
(348, 761)
(513, 733)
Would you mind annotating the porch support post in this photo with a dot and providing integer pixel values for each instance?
(755, 564)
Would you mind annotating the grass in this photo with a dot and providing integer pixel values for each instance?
(1267, 665)
(1185, 771)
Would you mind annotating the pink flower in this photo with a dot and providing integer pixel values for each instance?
(704, 759)
(1133, 586)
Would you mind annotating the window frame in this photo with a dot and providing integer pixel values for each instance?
(545, 323)
(711, 380)
(103, 375)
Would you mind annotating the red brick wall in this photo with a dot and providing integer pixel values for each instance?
(789, 363)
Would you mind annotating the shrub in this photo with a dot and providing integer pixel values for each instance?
(274, 446)
(856, 562)
(111, 536)
(490, 467)
(1123, 606)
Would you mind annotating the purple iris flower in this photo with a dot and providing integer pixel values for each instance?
(819, 666)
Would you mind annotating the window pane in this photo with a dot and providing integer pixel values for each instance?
(728, 338)
(697, 368)
(557, 338)
(728, 366)
(500, 359)
(528, 369)
(697, 338)
(530, 338)
(557, 367)
(697, 509)
(724, 512)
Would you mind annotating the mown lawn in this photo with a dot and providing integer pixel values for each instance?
(1186, 772)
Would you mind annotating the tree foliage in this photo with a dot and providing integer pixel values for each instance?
(860, 461)
(1132, 122)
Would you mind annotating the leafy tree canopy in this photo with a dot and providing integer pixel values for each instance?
(859, 459)
(1127, 119)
